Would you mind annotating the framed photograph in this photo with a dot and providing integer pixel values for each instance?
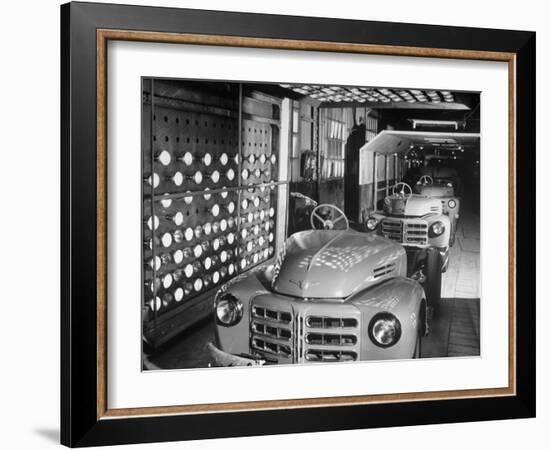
(277, 224)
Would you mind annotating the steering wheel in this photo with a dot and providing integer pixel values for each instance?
(400, 189)
(426, 180)
(336, 215)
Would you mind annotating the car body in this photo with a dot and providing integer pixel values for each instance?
(442, 189)
(419, 224)
(330, 292)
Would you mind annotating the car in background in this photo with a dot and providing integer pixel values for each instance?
(419, 224)
(442, 189)
(334, 295)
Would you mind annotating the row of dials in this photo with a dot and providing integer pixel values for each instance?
(186, 282)
(198, 177)
(165, 158)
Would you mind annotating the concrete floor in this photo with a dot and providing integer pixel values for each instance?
(455, 332)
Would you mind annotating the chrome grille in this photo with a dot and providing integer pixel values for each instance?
(315, 355)
(273, 348)
(406, 231)
(271, 314)
(331, 339)
(271, 331)
(330, 322)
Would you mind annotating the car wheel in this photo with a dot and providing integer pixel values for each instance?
(432, 285)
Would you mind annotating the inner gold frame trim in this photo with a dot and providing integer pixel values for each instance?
(105, 35)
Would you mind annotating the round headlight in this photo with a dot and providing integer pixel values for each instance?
(372, 224)
(229, 310)
(452, 203)
(437, 229)
(384, 330)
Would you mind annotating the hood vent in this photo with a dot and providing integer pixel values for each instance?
(380, 271)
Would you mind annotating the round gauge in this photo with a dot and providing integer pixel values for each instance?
(177, 178)
(255, 258)
(257, 173)
(188, 199)
(197, 251)
(207, 159)
(230, 222)
(223, 256)
(262, 159)
(244, 233)
(205, 245)
(215, 227)
(230, 238)
(224, 159)
(273, 159)
(207, 228)
(164, 158)
(156, 180)
(197, 178)
(166, 239)
(270, 237)
(156, 264)
(249, 246)
(165, 258)
(178, 294)
(223, 225)
(207, 196)
(244, 204)
(216, 244)
(198, 231)
(207, 280)
(262, 214)
(215, 210)
(178, 218)
(245, 174)
(187, 159)
(154, 285)
(231, 207)
(207, 263)
(271, 250)
(150, 223)
(231, 269)
(166, 203)
(250, 217)
(262, 189)
(155, 304)
(216, 277)
(256, 201)
(187, 252)
(271, 212)
(215, 176)
(188, 270)
(197, 284)
(178, 256)
(261, 241)
(266, 226)
(167, 281)
(256, 229)
(223, 271)
(178, 236)
(251, 158)
(189, 234)
(266, 253)
(236, 159)
(243, 263)
(224, 194)
(256, 215)
(230, 174)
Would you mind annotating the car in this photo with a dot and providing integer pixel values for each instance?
(442, 189)
(419, 224)
(334, 295)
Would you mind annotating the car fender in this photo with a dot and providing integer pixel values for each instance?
(401, 297)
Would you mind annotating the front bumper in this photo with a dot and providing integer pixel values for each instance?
(223, 359)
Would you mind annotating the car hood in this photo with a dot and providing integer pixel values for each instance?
(413, 205)
(335, 264)
(435, 190)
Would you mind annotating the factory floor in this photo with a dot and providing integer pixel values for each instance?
(455, 331)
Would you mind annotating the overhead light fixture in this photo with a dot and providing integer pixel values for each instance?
(434, 123)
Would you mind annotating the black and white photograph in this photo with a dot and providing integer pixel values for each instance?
(292, 223)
